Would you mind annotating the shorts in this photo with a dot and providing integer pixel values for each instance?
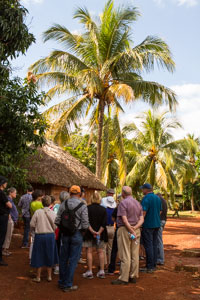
(93, 244)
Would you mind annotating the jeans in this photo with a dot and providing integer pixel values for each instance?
(112, 265)
(26, 230)
(150, 239)
(70, 251)
(160, 254)
(3, 230)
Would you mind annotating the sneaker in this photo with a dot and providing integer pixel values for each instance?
(81, 261)
(145, 270)
(101, 275)
(72, 288)
(24, 246)
(119, 282)
(6, 253)
(88, 275)
(56, 270)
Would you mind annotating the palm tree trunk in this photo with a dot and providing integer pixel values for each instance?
(99, 139)
(192, 200)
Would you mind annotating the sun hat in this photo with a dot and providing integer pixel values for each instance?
(147, 186)
(75, 189)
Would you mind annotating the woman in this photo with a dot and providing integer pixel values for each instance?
(44, 248)
(35, 205)
(13, 217)
(96, 235)
(5, 207)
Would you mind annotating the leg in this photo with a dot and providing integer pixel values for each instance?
(3, 230)
(155, 246)
(31, 245)
(89, 259)
(147, 236)
(49, 274)
(38, 273)
(135, 247)
(101, 258)
(124, 243)
(111, 232)
(26, 231)
(160, 253)
(111, 267)
(63, 259)
(9, 232)
(74, 255)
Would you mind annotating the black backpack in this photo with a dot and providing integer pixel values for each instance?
(68, 219)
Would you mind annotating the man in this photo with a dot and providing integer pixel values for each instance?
(71, 245)
(24, 204)
(5, 206)
(163, 219)
(152, 207)
(13, 217)
(176, 209)
(129, 220)
(110, 204)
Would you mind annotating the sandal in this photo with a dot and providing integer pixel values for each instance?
(36, 280)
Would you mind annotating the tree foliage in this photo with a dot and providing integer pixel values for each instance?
(102, 67)
(14, 35)
(21, 125)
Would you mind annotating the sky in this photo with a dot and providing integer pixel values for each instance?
(176, 21)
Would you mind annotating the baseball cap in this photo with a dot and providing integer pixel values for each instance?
(111, 191)
(147, 186)
(75, 189)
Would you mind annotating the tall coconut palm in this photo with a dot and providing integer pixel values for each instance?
(158, 159)
(101, 67)
(189, 146)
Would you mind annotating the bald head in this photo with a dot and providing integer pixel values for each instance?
(126, 191)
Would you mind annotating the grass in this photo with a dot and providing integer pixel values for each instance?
(187, 213)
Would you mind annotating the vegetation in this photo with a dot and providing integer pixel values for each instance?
(102, 68)
(21, 124)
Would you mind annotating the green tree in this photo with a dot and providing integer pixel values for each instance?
(14, 35)
(101, 67)
(157, 156)
(21, 126)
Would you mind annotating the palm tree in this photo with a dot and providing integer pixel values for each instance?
(157, 157)
(189, 146)
(101, 67)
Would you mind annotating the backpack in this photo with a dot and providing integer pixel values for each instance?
(68, 220)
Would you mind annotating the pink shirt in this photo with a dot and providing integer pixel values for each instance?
(130, 208)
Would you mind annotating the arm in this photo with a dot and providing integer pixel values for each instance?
(140, 222)
(128, 225)
(9, 204)
(33, 220)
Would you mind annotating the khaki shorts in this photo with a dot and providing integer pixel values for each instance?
(93, 244)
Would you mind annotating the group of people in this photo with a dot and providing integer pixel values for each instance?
(61, 230)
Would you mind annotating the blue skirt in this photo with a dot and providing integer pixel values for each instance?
(44, 252)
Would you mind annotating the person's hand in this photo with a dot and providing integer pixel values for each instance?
(132, 231)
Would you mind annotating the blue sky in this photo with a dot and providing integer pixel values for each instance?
(176, 21)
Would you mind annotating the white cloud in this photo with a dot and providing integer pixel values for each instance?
(188, 3)
(26, 2)
(187, 112)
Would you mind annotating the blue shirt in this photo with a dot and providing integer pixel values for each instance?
(24, 203)
(13, 211)
(151, 203)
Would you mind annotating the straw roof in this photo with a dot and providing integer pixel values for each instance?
(52, 165)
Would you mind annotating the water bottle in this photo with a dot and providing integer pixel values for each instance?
(98, 239)
(131, 235)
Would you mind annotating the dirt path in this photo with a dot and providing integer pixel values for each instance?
(16, 283)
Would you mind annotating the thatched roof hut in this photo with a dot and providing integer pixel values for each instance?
(55, 169)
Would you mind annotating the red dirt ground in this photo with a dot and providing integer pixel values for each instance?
(164, 284)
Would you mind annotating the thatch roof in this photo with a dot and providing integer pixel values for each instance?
(52, 165)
